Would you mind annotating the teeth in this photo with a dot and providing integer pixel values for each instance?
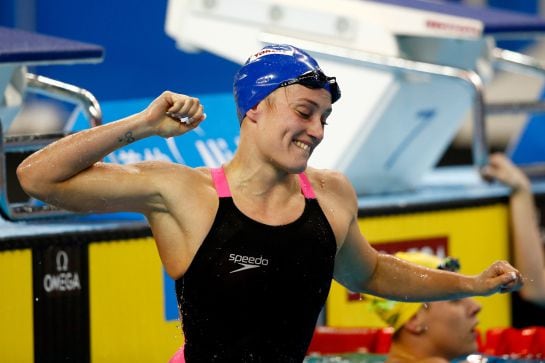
(302, 145)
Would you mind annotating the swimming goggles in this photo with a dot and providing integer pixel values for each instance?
(316, 79)
(450, 264)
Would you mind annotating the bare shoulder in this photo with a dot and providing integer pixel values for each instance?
(324, 178)
(337, 199)
(332, 184)
(187, 194)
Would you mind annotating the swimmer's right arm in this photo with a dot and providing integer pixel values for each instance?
(69, 173)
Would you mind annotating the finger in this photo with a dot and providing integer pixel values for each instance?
(194, 122)
(196, 114)
(178, 104)
(511, 281)
(487, 172)
(506, 269)
(194, 109)
(182, 111)
(189, 104)
(185, 110)
(200, 115)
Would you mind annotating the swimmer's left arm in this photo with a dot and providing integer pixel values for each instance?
(360, 268)
(356, 260)
(397, 279)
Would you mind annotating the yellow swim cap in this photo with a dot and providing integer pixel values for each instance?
(397, 313)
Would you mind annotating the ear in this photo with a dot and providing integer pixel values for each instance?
(417, 324)
(253, 113)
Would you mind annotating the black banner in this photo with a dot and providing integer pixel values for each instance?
(61, 303)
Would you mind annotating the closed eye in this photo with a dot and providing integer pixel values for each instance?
(304, 115)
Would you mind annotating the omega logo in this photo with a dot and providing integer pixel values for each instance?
(63, 280)
(62, 261)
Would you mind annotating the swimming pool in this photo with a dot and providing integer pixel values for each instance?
(375, 358)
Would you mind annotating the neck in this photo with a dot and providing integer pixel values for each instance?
(400, 353)
(258, 179)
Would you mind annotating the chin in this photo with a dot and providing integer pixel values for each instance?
(470, 349)
(296, 169)
(291, 165)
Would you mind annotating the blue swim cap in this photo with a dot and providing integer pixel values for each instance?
(276, 66)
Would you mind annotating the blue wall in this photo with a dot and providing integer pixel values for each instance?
(140, 59)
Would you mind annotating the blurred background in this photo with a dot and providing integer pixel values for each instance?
(122, 319)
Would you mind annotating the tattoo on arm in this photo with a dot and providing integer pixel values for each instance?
(127, 138)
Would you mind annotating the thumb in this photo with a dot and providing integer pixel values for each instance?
(507, 277)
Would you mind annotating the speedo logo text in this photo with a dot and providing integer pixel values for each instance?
(247, 262)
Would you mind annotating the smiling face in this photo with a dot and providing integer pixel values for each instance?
(451, 326)
(291, 125)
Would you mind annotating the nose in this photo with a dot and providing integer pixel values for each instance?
(474, 307)
(315, 129)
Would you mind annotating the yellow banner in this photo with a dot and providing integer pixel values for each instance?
(477, 236)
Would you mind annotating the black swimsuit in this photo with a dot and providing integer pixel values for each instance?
(253, 292)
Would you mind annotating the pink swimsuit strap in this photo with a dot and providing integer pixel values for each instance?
(220, 181)
(222, 187)
(306, 187)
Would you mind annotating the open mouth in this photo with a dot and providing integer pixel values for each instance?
(302, 145)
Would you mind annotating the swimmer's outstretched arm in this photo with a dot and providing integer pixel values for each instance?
(361, 268)
(69, 173)
(527, 244)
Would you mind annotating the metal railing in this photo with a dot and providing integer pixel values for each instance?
(33, 142)
(67, 92)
